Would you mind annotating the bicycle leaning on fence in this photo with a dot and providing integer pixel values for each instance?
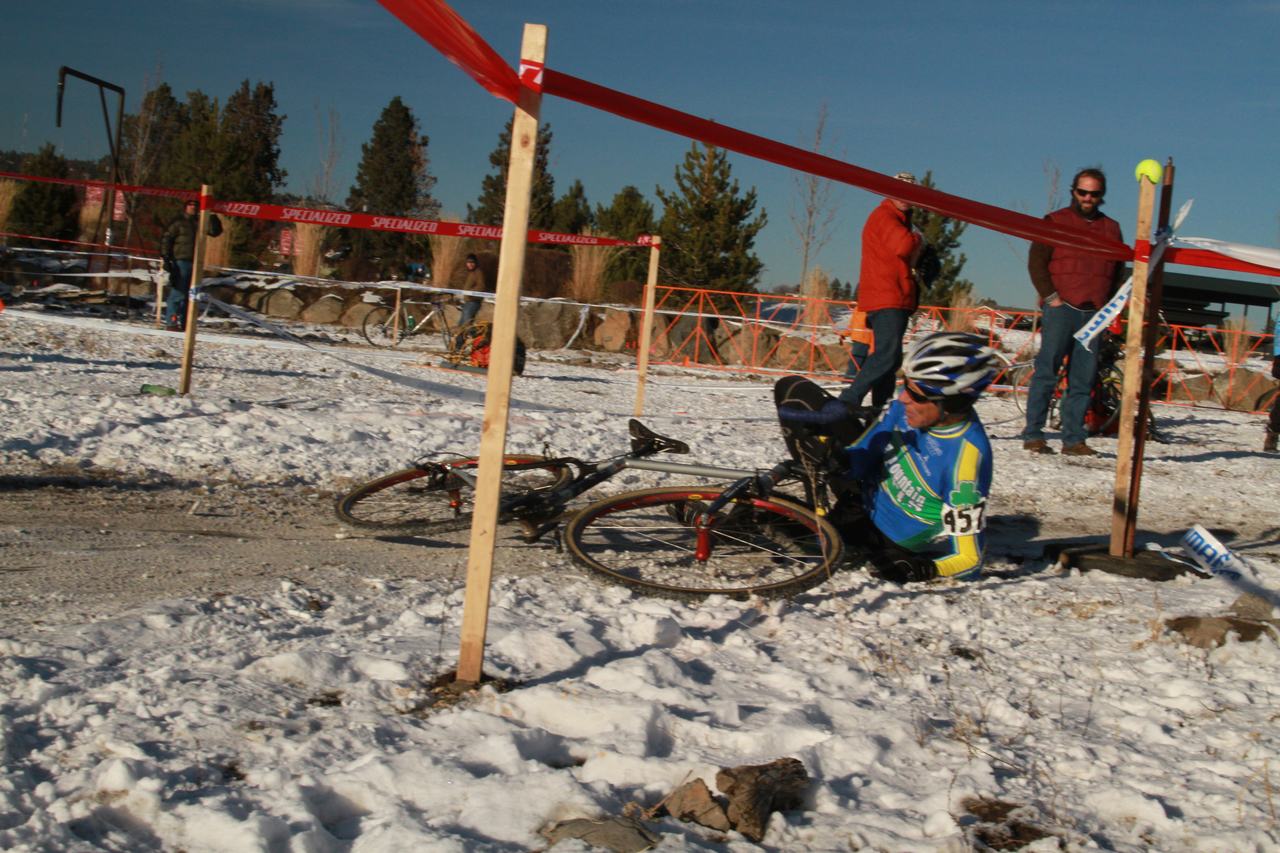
(464, 346)
(1102, 417)
(739, 539)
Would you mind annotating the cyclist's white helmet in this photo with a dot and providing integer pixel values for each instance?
(951, 365)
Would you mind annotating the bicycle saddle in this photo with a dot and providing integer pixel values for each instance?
(646, 440)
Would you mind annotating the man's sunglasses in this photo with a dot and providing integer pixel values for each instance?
(1087, 193)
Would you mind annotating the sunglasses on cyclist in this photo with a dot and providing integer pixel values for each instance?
(1087, 193)
(916, 394)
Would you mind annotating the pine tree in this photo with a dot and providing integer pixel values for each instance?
(40, 209)
(626, 218)
(942, 236)
(707, 230)
(248, 164)
(493, 189)
(394, 178)
(571, 213)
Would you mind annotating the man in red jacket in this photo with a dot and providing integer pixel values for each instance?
(1072, 286)
(887, 292)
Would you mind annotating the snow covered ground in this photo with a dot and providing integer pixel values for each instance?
(302, 720)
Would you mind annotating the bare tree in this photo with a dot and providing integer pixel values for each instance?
(816, 289)
(322, 184)
(1053, 179)
(813, 213)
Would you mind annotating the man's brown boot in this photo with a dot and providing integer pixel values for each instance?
(1037, 445)
(1078, 449)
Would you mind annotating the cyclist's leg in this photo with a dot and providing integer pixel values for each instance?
(470, 308)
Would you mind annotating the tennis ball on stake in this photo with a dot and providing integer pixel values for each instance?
(1150, 169)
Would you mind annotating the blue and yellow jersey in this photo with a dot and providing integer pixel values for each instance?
(927, 489)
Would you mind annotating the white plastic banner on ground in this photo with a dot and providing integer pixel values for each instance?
(1218, 560)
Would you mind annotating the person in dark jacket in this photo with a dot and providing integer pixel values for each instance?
(1072, 286)
(178, 249)
(475, 282)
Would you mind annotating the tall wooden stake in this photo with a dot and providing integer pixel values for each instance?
(646, 324)
(1132, 387)
(193, 290)
(497, 400)
(1151, 334)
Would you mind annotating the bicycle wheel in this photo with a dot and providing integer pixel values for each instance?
(429, 498)
(1106, 401)
(1020, 380)
(756, 546)
(379, 330)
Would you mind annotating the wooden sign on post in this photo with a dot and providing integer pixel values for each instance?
(646, 324)
(497, 399)
(1132, 386)
(193, 288)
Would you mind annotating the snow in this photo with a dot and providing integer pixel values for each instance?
(300, 720)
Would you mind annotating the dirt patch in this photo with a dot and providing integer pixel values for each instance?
(74, 549)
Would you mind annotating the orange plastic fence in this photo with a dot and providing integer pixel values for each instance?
(763, 333)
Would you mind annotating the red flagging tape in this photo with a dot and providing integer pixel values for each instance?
(1214, 260)
(452, 36)
(126, 188)
(346, 219)
(722, 136)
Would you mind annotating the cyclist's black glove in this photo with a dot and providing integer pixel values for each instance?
(901, 569)
(170, 264)
(832, 411)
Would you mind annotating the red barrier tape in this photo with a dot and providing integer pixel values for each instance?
(1205, 258)
(127, 188)
(346, 219)
(452, 36)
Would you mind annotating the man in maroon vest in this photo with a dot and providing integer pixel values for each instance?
(1072, 286)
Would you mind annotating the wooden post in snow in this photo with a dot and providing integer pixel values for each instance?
(646, 324)
(497, 399)
(1151, 335)
(193, 290)
(1132, 388)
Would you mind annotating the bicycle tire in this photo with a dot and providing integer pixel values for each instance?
(1020, 381)
(768, 546)
(377, 328)
(1108, 390)
(425, 499)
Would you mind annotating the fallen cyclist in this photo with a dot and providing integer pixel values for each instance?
(912, 486)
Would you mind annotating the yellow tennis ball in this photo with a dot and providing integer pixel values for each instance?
(1150, 169)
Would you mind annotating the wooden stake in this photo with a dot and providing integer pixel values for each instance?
(1151, 333)
(646, 324)
(497, 399)
(193, 288)
(1132, 387)
(395, 318)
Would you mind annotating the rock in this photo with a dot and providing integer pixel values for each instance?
(1250, 606)
(1207, 632)
(326, 309)
(613, 330)
(621, 834)
(757, 791)
(694, 801)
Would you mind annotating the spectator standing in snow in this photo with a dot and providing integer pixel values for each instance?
(178, 249)
(1072, 285)
(474, 281)
(888, 294)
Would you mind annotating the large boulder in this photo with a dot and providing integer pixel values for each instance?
(613, 332)
(326, 309)
(549, 325)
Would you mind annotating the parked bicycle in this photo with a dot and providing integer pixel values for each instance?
(465, 346)
(739, 539)
(1102, 417)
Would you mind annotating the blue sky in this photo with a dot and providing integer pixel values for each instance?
(991, 96)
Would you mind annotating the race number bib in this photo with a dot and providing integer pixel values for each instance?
(964, 520)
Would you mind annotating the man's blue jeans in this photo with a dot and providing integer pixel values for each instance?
(1057, 327)
(879, 373)
(175, 303)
